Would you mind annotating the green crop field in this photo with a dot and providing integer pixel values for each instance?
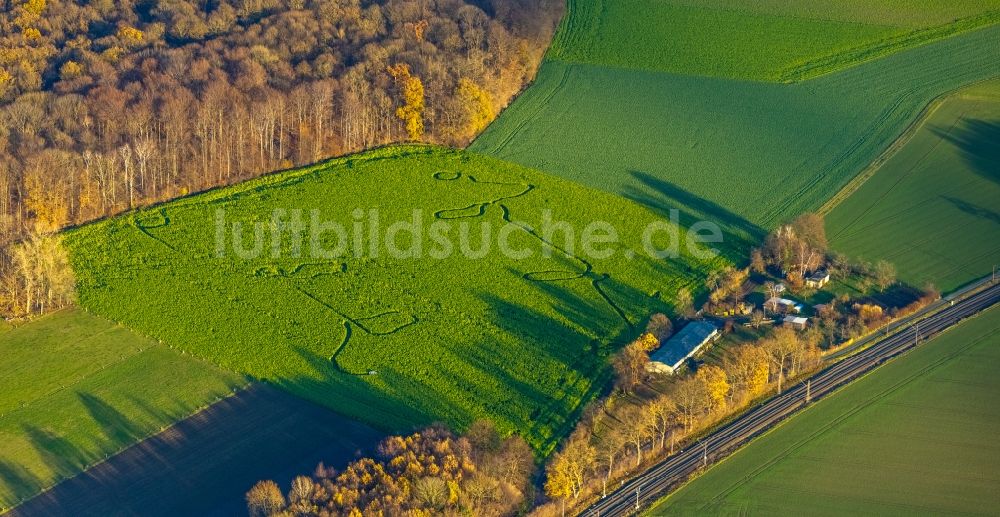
(917, 437)
(395, 341)
(932, 207)
(777, 40)
(76, 388)
(702, 41)
(746, 154)
(901, 13)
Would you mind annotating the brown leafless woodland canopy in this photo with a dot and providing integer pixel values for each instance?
(107, 105)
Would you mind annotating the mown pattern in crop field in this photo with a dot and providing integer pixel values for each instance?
(746, 154)
(915, 438)
(780, 40)
(932, 208)
(395, 341)
(76, 388)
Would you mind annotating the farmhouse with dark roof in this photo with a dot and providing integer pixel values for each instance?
(672, 354)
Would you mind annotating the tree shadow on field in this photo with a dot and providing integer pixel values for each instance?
(979, 142)
(387, 407)
(545, 340)
(17, 480)
(58, 453)
(662, 196)
(582, 335)
(974, 209)
(205, 463)
(117, 428)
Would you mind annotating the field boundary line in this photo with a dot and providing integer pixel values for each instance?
(163, 428)
(788, 418)
(121, 359)
(853, 410)
(838, 61)
(871, 169)
(904, 138)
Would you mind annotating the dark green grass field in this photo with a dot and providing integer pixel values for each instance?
(746, 154)
(915, 437)
(77, 388)
(933, 208)
(395, 342)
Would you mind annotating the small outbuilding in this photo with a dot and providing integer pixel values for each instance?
(782, 306)
(818, 279)
(684, 344)
(796, 322)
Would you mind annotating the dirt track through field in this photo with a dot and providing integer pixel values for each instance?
(205, 464)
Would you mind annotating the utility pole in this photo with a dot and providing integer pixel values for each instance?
(704, 454)
(916, 334)
(636, 498)
(808, 391)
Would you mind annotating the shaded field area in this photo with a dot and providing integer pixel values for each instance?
(933, 208)
(396, 341)
(747, 155)
(739, 39)
(916, 437)
(204, 464)
(76, 389)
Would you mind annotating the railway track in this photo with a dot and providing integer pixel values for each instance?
(656, 482)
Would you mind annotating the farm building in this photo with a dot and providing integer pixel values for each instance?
(669, 357)
(782, 306)
(818, 279)
(796, 322)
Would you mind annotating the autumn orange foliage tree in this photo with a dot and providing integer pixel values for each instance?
(430, 472)
(411, 112)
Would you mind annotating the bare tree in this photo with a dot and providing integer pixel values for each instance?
(637, 426)
(780, 348)
(662, 411)
(692, 399)
(125, 152)
(264, 499)
(143, 152)
(610, 445)
(885, 275)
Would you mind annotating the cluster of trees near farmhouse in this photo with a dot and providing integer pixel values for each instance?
(790, 254)
(105, 106)
(648, 416)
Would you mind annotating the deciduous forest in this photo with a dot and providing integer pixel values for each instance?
(106, 106)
